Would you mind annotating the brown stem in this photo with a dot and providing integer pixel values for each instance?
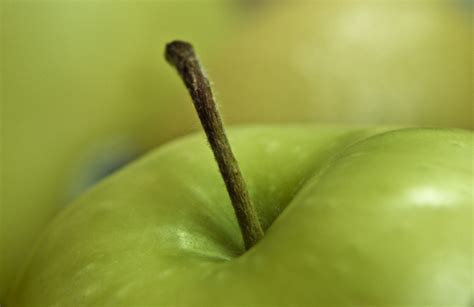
(181, 55)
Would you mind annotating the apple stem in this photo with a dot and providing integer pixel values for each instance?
(181, 55)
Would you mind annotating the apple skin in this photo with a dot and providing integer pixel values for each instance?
(363, 62)
(84, 80)
(352, 216)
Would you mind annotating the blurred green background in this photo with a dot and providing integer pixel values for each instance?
(85, 88)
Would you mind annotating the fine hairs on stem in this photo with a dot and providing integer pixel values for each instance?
(181, 55)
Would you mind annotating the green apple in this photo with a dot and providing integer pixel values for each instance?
(82, 86)
(371, 62)
(352, 216)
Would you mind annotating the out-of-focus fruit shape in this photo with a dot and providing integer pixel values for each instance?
(388, 62)
(85, 88)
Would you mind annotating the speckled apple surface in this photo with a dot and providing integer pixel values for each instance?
(352, 216)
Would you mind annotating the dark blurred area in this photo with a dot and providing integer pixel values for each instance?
(85, 88)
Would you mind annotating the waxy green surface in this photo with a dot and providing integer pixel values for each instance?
(352, 216)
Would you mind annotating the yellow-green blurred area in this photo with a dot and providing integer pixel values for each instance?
(85, 87)
(361, 62)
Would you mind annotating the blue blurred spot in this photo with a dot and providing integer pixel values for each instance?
(98, 161)
(467, 4)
